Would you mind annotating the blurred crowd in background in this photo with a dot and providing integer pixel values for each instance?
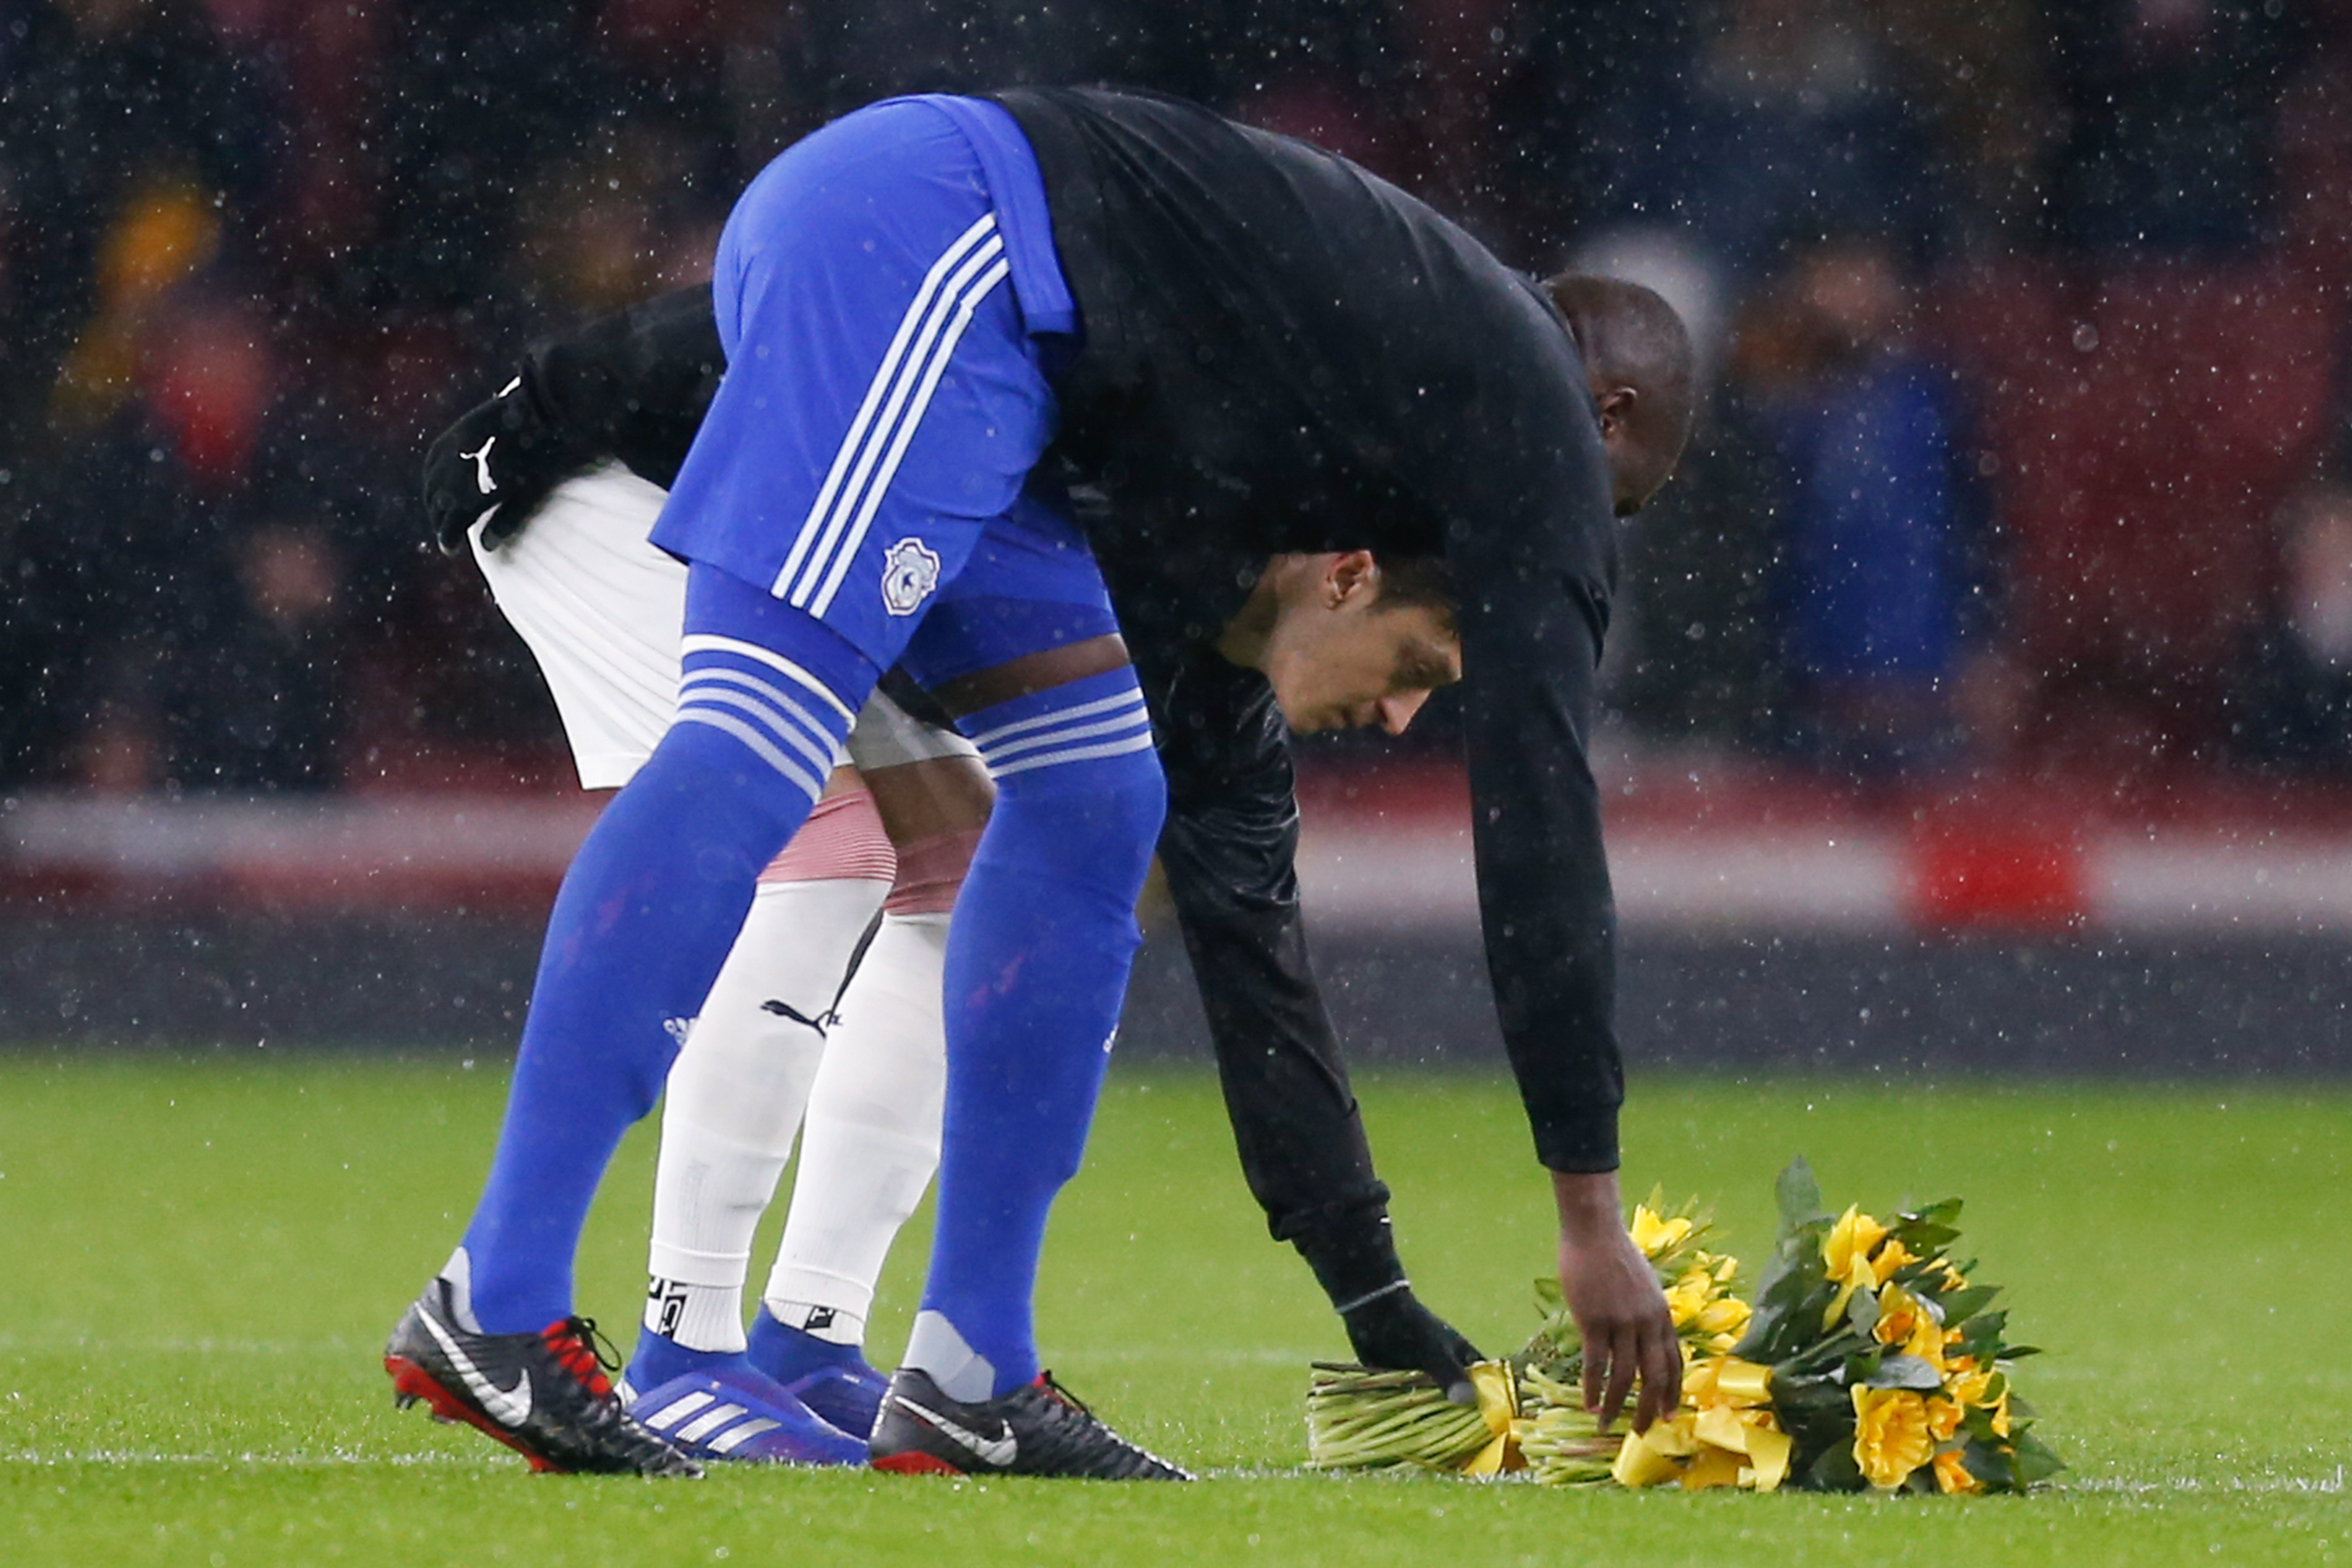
(2025, 324)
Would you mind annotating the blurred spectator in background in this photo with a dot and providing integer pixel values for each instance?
(1876, 575)
(107, 106)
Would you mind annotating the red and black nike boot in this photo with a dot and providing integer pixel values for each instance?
(1038, 1429)
(545, 1396)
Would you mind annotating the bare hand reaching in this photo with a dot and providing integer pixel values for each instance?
(1619, 1308)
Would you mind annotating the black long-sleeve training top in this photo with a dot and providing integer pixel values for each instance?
(1363, 375)
(1284, 352)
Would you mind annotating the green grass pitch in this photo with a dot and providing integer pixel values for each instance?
(203, 1258)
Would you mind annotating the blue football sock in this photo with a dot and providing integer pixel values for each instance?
(646, 916)
(1036, 970)
(784, 1352)
(657, 1358)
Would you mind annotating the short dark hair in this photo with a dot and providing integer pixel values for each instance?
(1629, 334)
(1418, 581)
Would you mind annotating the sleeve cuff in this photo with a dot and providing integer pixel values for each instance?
(1353, 1255)
(1579, 1145)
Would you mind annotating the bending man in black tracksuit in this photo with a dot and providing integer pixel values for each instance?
(1283, 358)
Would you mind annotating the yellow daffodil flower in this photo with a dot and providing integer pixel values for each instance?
(1855, 1235)
(1910, 1325)
(1689, 1296)
(1890, 1434)
(1656, 1236)
(1724, 1320)
(1973, 1386)
(1888, 1258)
(1943, 1418)
(1845, 1252)
(1953, 1477)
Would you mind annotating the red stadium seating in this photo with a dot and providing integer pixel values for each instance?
(2142, 427)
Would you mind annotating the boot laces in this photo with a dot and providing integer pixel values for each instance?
(1056, 1392)
(584, 1353)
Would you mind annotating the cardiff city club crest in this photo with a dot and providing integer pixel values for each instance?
(909, 571)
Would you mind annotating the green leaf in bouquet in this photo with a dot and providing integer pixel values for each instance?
(1924, 1240)
(1861, 1312)
(1978, 1424)
(1929, 1229)
(1835, 1469)
(1990, 1462)
(1981, 1337)
(1799, 1196)
(1790, 1295)
(1827, 1357)
(1958, 1306)
(1897, 1370)
(2034, 1460)
(1797, 1395)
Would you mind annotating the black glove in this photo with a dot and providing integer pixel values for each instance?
(1394, 1330)
(498, 462)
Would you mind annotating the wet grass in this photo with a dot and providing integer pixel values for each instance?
(203, 1257)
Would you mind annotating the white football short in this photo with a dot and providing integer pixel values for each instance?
(602, 610)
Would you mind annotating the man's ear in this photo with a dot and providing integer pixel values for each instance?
(1616, 406)
(1351, 575)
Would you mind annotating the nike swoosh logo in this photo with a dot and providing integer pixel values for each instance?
(998, 1451)
(508, 1406)
(785, 1010)
(481, 461)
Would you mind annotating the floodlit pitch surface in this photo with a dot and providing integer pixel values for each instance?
(203, 1258)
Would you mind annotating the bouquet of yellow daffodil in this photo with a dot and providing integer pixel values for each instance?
(1868, 1360)
(1881, 1362)
(1527, 1415)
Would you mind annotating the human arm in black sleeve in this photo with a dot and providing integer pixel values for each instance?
(634, 386)
(1531, 542)
(1228, 851)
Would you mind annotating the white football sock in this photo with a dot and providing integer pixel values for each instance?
(873, 1137)
(735, 1099)
(818, 1321)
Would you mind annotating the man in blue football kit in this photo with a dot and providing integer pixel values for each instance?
(937, 312)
